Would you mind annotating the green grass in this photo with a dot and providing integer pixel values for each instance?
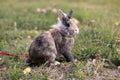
(20, 23)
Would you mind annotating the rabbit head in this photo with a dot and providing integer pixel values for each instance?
(67, 24)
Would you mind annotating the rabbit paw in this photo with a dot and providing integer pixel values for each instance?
(55, 63)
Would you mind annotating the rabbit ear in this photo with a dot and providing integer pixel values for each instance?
(69, 15)
(60, 14)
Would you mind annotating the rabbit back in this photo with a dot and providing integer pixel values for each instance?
(42, 48)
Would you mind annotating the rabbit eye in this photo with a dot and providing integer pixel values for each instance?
(66, 22)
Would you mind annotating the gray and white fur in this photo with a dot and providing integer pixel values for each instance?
(57, 41)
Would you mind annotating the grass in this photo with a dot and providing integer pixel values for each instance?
(99, 27)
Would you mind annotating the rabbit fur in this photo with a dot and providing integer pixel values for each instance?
(57, 41)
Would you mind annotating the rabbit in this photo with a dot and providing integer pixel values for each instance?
(57, 41)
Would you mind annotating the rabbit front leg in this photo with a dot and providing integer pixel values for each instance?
(68, 44)
(51, 60)
(68, 56)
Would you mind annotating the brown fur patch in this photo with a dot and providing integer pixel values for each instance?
(48, 43)
(56, 41)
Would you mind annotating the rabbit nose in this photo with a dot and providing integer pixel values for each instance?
(77, 30)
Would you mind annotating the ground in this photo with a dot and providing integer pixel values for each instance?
(96, 49)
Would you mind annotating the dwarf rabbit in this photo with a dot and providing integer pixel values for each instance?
(57, 41)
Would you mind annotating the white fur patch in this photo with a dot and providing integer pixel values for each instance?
(55, 63)
(58, 25)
